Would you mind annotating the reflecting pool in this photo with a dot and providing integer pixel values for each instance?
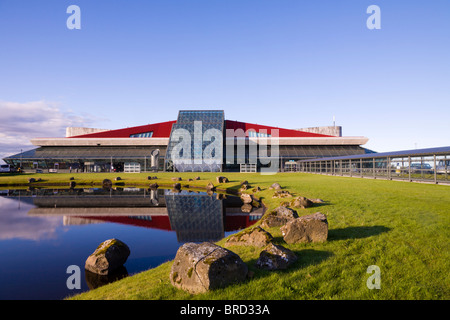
(44, 231)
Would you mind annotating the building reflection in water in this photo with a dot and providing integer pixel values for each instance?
(194, 216)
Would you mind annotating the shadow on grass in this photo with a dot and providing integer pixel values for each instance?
(306, 257)
(356, 232)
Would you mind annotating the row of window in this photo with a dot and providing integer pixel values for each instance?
(142, 135)
(252, 134)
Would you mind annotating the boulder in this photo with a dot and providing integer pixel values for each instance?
(210, 186)
(246, 198)
(283, 211)
(281, 194)
(310, 228)
(197, 178)
(117, 178)
(221, 179)
(255, 236)
(176, 179)
(301, 202)
(31, 180)
(202, 267)
(317, 201)
(72, 184)
(279, 217)
(246, 208)
(244, 185)
(275, 186)
(107, 184)
(176, 186)
(275, 257)
(109, 256)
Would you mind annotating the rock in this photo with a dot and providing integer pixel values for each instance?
(317, 201)
(257, 189)
(72, 184)
(176, 179)
(283, 211)
(275, 257)
(310, 228)
(281, 194)
(275, 186)
(255, 236)
(197, 178)
(221, 196)
(153, 186)
(31, 180)
(279, 217)
(244, 185)
(202, 267)
(71, 178)
(301, 202)
(95, 280)
(117, 178)
(221, 179)
(149, 178)
(107, 184)
(177, 186)
(210, 186)
(246, 198)
(109, 256)
(246, 208)
(272, 220)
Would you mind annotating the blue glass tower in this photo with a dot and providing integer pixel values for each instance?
(196, 142)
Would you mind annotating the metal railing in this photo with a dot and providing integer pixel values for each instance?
(425, 165)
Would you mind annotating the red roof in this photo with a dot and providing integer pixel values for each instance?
(160, 130)
(163, 130)
(283, 133)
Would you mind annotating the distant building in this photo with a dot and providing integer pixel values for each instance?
(239, 146)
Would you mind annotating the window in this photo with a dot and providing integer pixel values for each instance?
(142, 135)
(253, 134)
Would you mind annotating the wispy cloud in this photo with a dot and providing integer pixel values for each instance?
(20, 122)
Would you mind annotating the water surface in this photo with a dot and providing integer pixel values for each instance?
(44, 231)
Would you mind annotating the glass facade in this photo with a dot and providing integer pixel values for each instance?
(196, 142)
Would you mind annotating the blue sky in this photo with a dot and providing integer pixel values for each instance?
(290, 64)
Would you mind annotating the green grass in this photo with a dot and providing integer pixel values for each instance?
(401, 227)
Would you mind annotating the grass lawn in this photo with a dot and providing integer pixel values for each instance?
(401, 227)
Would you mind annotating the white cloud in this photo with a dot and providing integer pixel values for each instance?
(20, 122)
(18, 225)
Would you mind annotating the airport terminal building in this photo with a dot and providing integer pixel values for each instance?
(186, 144)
